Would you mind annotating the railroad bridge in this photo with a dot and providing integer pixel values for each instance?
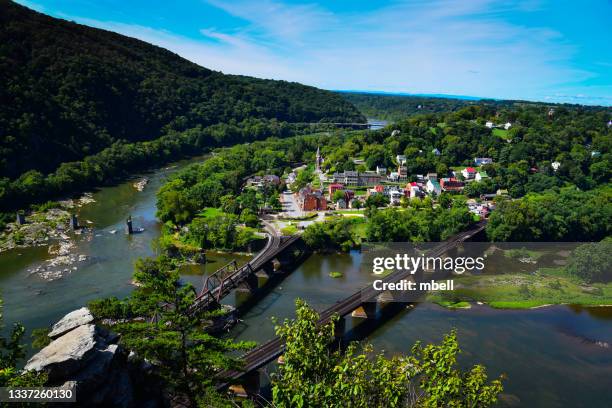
(362, 304)
(253, 277)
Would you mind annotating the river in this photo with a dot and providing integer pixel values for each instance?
(107, 271)
(548, 354)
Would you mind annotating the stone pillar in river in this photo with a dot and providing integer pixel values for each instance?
(128, 227)
(74, 222)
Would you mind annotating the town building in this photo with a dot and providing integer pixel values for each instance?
(402, 173)
(414, 190)
(468, 173)
(489, 125)
(261, 181)
(451, 184)
(432, 176)
(311, 200)
(507, 125)
(332, 188)
(354, 178)
(555, 165)
(481, 175)
(381, 171)
(395, 197)
(433, 187)
(401, 159)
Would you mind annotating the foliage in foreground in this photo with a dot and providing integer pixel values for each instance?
(11, 351)
(163, 328)
(312, 375)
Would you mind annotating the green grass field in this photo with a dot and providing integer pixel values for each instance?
(503, 133)
(210, 212)
(548, 286)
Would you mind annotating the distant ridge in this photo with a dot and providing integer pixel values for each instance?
(426, 95)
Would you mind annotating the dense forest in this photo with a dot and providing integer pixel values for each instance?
(68, 91)
(397, 107)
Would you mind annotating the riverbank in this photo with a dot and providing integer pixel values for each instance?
(544, 287)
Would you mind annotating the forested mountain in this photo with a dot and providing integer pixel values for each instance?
(397, 107)
(68, 91)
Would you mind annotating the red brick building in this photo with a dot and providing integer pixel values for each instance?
(311, 200)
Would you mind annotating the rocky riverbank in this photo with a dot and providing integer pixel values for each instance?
(88, 357)
(43, 227)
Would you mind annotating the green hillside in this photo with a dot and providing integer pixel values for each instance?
(68, 91)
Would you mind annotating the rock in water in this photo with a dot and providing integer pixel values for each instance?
(72, 320)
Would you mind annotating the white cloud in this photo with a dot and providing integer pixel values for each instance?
(440, 46)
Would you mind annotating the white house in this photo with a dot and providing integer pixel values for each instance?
(433, 187)
(468, 173)
(489, 125)
(481, 175)
(507, 125)
(382, 171)
(395, 196)
(393, 176)
(555, 165)
(401, 159)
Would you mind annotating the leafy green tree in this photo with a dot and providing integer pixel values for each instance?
(330, 235)
(592, 262)
(11, 352)
(338, 195)
(164, 328)
(249, 218)
(313, 375)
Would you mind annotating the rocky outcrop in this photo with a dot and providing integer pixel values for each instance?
(89, 358)
(72, 320)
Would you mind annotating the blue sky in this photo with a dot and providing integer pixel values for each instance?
(558, 51)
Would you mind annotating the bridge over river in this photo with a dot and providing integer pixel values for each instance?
(358, 304)
(230, 277)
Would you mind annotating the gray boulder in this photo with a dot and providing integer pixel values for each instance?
(67, 354)
(71, 321)
(87, 358)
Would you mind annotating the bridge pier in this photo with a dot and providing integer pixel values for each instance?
(365, 311)
(262, 278)
(339, 328)
(389, 298)
(246, 289)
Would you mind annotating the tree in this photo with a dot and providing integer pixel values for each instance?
(338, 195)
(11, 351)
(171, 333)
(592, 262)
(249, 218)
(312, 374)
